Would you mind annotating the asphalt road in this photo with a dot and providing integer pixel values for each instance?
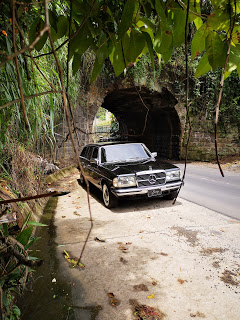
(206, 187)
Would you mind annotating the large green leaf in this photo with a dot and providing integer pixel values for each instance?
(219, 20)
(203, 66)
(234, 58)
(136, 45)
(81, 42)
(127, 16)
(96, 69)
(166, 41)
(217, 3)
(166, 55)
(157, 40)
(102, 53)
(198, 41)
(36, 224)
(148, 23)
(118, 56)
(36, 27)
(216, 50)
(179, 20)
(77, 59)
(150, 48)
(62, 27)
(161, 12)
(238, 71)
(24, 236)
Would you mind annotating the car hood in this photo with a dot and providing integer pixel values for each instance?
(134, 167)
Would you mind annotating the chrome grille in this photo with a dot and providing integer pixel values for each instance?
(151, 178)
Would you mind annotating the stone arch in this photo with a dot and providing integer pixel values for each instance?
(156, 122)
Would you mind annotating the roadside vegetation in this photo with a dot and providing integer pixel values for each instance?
(52, 51)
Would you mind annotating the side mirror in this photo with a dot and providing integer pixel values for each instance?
(154, 154)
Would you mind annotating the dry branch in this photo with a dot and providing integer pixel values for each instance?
(43, 195)
(28, 97)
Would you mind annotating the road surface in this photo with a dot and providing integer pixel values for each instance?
(205, 186)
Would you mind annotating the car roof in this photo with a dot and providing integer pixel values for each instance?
(107, 143)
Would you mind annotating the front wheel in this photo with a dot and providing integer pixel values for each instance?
(110, 201)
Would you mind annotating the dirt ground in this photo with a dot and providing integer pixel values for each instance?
(148, 259)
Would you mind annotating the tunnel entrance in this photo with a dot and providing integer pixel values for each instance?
(151, 118)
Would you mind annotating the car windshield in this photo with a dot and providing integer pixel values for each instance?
(124, 153)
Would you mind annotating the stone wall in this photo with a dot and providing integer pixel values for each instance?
(202, 143)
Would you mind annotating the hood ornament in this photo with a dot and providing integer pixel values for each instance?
(150, 167)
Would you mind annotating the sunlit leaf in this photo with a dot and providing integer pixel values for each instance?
(238, 71)
(37, 224)
(219, 20)
(198, 41)
(203, 66)
(198, 22)
(234, 58)
(216, 50)
(118, 57)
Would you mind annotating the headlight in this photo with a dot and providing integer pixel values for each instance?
(173, 175)
(124, 181)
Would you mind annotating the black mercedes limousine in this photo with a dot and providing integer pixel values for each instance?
(127, 169)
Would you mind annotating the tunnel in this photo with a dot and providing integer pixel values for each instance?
(147, 116)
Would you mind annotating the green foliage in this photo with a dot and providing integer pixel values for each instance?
(13, 270)
(101, 113)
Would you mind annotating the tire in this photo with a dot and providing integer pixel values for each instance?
(81, 179)
(109, 200)
(172, 195)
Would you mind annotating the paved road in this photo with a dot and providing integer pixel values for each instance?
(206, 187)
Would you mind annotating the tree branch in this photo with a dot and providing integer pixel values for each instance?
(17, 67)
(73, 35)
(29, 97)
(221, 87)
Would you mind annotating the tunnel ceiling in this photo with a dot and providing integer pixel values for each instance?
(158, 125)
(121, 101)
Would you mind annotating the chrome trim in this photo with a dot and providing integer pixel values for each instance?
(149, 172)
(141, 191)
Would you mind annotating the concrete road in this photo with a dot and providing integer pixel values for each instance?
(181, 260)
(205, 186)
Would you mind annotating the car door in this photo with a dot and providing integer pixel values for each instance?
(85, 160)
(94, 166)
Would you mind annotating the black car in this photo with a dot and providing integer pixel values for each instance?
(126, 169)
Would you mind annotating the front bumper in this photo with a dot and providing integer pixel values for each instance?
(128, 192)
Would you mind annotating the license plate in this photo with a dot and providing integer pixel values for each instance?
(154, 193)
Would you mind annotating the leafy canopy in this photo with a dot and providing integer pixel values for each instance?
(124, 30)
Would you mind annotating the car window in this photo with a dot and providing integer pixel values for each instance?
(89, 152)
(83, 153)
(125, 152)
(95, 153)
(103, 155)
